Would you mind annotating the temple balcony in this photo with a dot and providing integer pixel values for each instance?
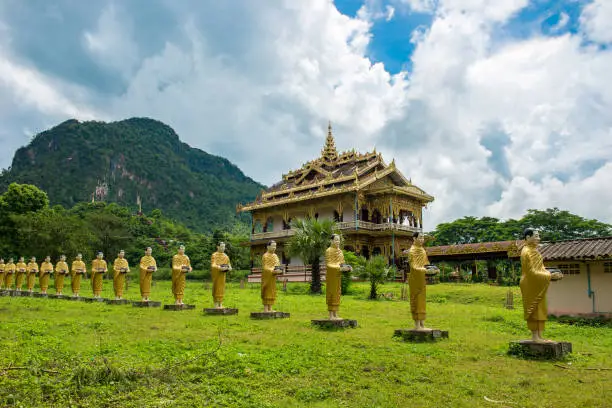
(343, 226)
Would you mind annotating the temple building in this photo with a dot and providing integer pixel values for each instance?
(377, 209)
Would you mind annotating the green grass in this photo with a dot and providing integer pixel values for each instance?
(94, 355)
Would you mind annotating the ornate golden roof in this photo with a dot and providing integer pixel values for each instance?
(334, 173)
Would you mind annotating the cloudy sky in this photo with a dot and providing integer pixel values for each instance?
(492, 106)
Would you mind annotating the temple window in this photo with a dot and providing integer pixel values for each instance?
(607, 267)
(569, 269)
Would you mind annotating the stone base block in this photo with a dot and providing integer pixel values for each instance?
(224, 311)
(179, 307)
(541, 351)
(421, 336)
(22, 293)
(334, 324)
(58, 296)
(75, 298)
(6, 292)
(40, 295)
(94, 300)
(117, 302)
(150, 303)
(269, 315)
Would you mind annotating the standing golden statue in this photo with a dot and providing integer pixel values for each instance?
(219, 266)
(120, 270)
(417, 258)
(21, 270)
(534, 284)
(79, 269)
(2, 268)
(270, 269)
(180, 266)
(147, 267)
(61, 270)
(9, 274)
(334, 264)
(46, 270)
(32, 273)
(98, 269)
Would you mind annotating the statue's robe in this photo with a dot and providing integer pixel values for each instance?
(119, 275)
(98, 269)
(217, 275)
(21, 271)
(9, 275)
(333, 278)
(75, 283)
(146, 275)
(534, 284)
(416, 281)
(268, 278)
(61, 270)
(178, 275)
(2, 268)
(46, 269)
(32, 273)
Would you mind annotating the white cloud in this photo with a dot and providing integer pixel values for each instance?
(562, 23)
(596, 20)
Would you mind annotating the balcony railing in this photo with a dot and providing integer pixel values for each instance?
(343, 226)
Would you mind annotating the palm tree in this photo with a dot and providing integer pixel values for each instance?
(309, 242)
(377, 272)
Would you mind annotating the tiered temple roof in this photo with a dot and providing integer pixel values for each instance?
(334, 173)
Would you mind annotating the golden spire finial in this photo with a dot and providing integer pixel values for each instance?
(329, 152)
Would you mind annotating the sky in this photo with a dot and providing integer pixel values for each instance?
(491, 106)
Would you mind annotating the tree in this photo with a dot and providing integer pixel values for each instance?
(309, 242)
(356, 262)
(555, 225)
(23, 199)
(377, 272)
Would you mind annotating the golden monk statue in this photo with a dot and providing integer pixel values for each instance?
(180, 266)
(334, 263)
(46, 270)
(270, 269)
(61, 270)
(32, 272)
(219, 266)
(534, 284)
(78, 271)
(417, 258)
(21, 270)
(120, 269)
(2, 268)
(98, 269)
(9, 274)
(147, 267)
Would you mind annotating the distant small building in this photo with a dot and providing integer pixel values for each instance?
(586, 287)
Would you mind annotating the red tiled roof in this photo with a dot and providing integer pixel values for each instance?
(481, 247)
(577, 249)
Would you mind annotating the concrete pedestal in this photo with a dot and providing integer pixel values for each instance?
(269, 315)
(541, 351)
(75, 298)
(224, 311)
(40, 295)
(58, 296)
(150, 303)
(22, 293)
(117, 302)
(179, 307)
(334, 324)
(6, 292)
(94, 300)
(421, 336)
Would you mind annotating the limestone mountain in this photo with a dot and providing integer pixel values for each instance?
(138, 160)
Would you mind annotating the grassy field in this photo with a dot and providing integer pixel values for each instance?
(94, 355)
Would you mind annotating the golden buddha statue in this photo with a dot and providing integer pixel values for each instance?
(180, 266)
(120, 271)
(98, 269)
(32, 272)
(79, 269)
(334, 264)
(417, 258)
(20, 271)
(46, 270)
(147, 267)
(534, 284)
(219, 266)
(61, 270)
(2, 267)
(270, 269)
(9, 274)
